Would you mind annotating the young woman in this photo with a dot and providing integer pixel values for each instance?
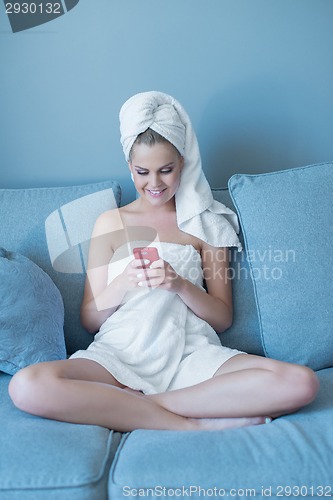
(156, 361)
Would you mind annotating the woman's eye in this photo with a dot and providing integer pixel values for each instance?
(162, 172)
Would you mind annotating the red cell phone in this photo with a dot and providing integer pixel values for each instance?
(149, 253)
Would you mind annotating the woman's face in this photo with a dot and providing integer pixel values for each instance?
(156, 170)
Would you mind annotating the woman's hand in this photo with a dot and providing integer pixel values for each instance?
(132, 274)
(160, 274)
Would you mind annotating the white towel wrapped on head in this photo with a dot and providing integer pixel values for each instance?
(198, 213)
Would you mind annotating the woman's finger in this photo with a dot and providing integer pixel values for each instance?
(154, 282)
(139, 263)
(157, 264)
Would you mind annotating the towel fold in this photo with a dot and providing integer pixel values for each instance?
(198, 213)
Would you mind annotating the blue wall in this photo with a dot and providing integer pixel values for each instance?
(256, 77)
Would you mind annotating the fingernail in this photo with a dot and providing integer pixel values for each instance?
(146, 261)
(140, 283)
(139, 275)
(268, 420)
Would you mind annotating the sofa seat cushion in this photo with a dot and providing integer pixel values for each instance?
(52, 226)
(293, 450)
(285, 218)
(44, 459)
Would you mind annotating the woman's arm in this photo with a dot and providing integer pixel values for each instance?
(215, 307)
(101, 300)
(96, 310)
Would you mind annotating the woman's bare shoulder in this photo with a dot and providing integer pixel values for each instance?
(112, 226)
(107, 221)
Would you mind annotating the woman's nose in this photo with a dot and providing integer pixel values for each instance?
(155, 180)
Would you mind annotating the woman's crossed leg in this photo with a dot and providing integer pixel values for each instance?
(82, 391)
(245, 386)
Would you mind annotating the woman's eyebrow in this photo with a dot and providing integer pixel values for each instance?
(146, 169)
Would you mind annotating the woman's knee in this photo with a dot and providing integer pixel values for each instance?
(28, 388)
(303, 385)
(310, 384)
(297, 384)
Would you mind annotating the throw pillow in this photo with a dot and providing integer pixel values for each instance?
(31, 314)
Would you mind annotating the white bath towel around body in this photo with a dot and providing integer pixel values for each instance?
(154, 342)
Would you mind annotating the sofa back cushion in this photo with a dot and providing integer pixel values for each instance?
(67, 215)
(244, 333)
(285, 218)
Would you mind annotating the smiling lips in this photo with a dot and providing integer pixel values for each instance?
(156, 194)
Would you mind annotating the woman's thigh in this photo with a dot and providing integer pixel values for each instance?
(250, 361)
(76, 369)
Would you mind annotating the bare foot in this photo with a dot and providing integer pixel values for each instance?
(215, 424)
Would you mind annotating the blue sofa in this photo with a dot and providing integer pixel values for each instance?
(282, 287)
